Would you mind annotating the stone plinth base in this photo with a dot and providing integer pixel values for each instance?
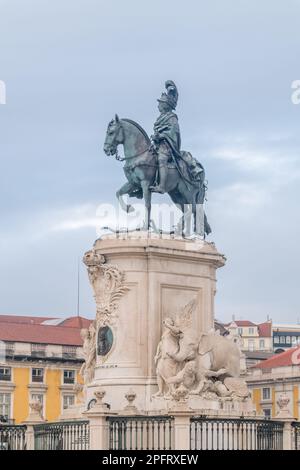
(139, 280)
(199, 405)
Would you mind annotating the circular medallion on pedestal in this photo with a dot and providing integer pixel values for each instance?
(105, 340)
(91, 403)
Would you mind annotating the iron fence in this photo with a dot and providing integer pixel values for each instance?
(296, 435)
(12, 437)
(235, 434)
(140, 432)
(64, 435)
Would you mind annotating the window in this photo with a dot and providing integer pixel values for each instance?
(5, 374)
(37, 375)
(5, 405)
(69, 351)
(276, 339)
(294, 339)
(288, 339)
(261, 344)
(251, 345)
(267, 413)
(69, 376)
(251, 331)
(266, 394)
(68, 400)
(9, 348)
(240, 331)
(38, 350)
(282, 339)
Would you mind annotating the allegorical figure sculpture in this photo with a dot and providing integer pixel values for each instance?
(208, 366)
(186, 378)
(88, 336)
(166, 367)
(159, 164)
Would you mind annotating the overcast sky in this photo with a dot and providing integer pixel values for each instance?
(69, 65)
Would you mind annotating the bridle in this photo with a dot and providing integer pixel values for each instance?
(115, 139)
(116, 142)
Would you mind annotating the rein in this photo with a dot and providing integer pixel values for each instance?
(120, 159)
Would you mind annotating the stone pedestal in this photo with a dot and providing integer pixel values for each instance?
(213, 407)
(73, 413)
(140, 279)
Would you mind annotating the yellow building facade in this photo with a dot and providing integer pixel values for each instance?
(40, 359)
(274, 377)
(269, 407)
(54, 389)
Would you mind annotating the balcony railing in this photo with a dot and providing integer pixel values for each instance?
(37, 378)
(69, 355)
(6, 377)
(38, 353)
(69, 380)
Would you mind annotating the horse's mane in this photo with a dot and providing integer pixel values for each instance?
(139, 128)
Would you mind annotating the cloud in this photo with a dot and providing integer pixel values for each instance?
(239, 199)
(271, 162)
(72, 218)
(244, 158)
(261, 173)
(235, 113)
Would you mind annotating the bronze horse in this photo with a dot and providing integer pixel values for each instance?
(140, 169)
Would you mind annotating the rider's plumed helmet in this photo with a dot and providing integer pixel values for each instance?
(171, 96)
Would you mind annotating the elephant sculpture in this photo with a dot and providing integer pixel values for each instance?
(215, 355)
(220, 353)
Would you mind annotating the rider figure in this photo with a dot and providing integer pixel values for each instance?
(166, 138)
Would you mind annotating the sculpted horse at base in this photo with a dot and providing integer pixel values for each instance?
(140, 169)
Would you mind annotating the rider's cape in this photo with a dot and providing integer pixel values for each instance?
(167, 127)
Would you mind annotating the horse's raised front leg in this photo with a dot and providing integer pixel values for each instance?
(126, 188)
(147, 198)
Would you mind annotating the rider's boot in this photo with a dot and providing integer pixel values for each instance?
(163, 173)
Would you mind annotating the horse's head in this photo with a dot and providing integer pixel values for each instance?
(114, 136)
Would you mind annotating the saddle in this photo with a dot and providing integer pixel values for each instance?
(190, 169)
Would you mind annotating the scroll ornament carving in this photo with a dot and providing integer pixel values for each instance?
(108, 285)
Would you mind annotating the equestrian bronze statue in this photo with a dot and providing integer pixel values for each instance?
(158, 164)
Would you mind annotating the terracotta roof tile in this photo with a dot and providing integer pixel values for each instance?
(76, 322)
(25, 331)
(287, 358)
(243, 323)
(265, 329)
